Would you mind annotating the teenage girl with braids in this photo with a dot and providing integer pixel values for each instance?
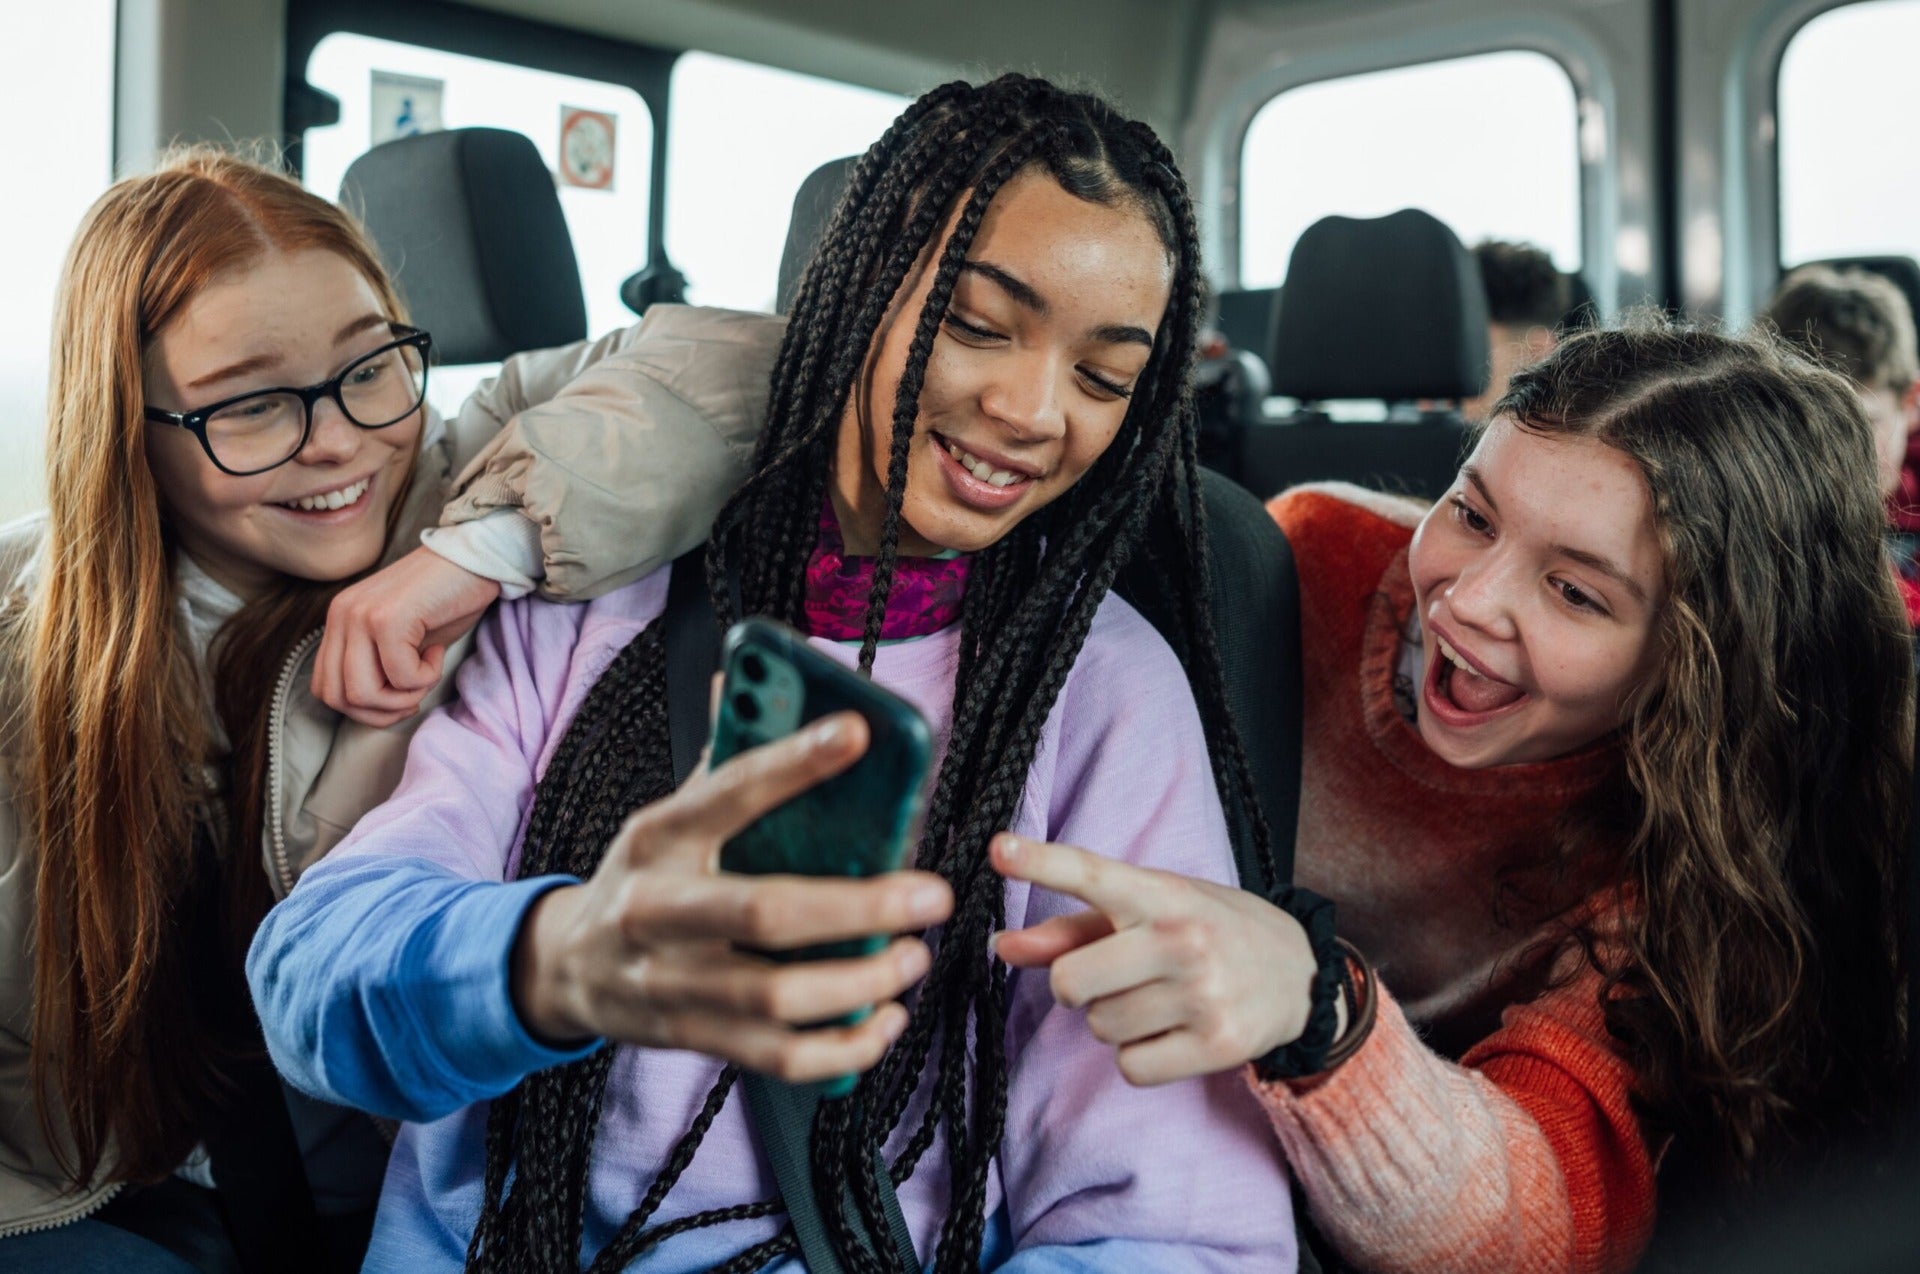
(1607, 765)
(980, 408)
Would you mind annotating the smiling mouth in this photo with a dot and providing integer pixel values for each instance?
(983, 469)
(328, 501)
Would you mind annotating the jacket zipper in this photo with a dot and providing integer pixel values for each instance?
(80, 1213)
(276, 727)
(276, 828)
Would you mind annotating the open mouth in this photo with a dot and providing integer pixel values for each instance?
(330, 501)
(1462, 694)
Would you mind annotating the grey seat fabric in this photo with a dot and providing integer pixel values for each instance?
(813, 208)
(469, 225)
(1583, 308)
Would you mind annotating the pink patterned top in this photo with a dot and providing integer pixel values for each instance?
(926, 595)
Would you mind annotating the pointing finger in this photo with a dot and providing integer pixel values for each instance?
(1125, 893)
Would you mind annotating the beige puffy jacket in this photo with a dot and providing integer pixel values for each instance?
(621, 451)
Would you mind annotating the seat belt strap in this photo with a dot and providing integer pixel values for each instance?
(782, 1113)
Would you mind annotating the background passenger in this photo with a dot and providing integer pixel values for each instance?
(981, 405)
(166, 772)
(1860, 324)
(1607, 764)
(1526, 300)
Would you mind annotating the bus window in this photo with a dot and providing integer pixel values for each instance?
(741, 139)
(1848, 121)
(609, 226)
(56, 90)
(1488, 143)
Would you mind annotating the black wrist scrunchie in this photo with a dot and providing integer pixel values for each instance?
(1307, 1055)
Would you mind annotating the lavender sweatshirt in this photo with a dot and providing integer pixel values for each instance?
(382, 980)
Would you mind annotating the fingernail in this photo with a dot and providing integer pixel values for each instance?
(896, 1026)
(912, 961)
(993, 942)
(1009, 847)
(829, 732)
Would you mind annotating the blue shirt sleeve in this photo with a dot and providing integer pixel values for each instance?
(382, 983)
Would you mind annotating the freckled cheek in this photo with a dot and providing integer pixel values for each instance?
(1088, 439)
(1432, 570)
(1587, 681)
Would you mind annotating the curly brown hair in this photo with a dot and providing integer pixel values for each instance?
(1770, 758)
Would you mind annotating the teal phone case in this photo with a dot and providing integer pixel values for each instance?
(862, 821)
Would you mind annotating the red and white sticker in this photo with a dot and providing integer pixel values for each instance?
(586, 148)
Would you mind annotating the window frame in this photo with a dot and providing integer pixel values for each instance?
(1789, 26)
(906, 100)
(1730, 55)
(454, 28)
(1222, 136)
(1246, 131)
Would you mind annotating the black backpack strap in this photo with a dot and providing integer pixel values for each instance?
(252, 1149)
(782, 1113)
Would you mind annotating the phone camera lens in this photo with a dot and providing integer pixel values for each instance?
(753, 666)
(746, 707)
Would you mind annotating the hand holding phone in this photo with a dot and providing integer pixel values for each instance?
(861, 822)
(656, 948)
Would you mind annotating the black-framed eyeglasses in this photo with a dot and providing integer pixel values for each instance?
(252, 433)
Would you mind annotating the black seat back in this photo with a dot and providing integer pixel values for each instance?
(1417, 458)
(813, 207)
(1386, 308)
(1247, 316)
(1910, 944)
(1383, 307)
(469, 225)
(1256, 620)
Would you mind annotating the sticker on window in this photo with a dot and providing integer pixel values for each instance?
(404, 105)
(586, 148)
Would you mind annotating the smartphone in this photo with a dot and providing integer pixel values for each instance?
(861, 822)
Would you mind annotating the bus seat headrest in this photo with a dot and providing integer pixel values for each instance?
(1386, 307)
(813, 207)
(469, 224)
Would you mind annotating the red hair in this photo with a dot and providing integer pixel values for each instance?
(113, 745)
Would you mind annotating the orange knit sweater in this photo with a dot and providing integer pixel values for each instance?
(1525, 1154)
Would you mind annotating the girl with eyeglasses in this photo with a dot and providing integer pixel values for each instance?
(237, 429)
